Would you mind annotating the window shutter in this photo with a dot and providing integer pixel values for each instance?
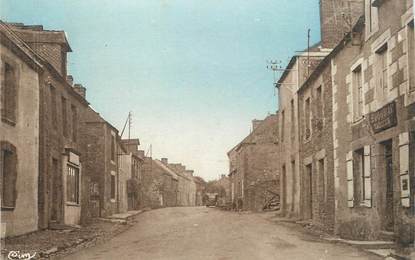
(367, 178)
(404, 169)
(350, 187)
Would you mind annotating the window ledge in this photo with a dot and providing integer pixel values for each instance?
(358, 120)
(112, 200)
(4, 208)
(72, 204)
(8, 121)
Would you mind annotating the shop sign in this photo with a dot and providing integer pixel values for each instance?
(384, 118)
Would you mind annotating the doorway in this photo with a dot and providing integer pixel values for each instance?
(284, 189)
(389, 207)
(308, 186)
(56, 188)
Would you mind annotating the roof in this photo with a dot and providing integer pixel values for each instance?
(95, 117)
(11, 30)
(31, 57)
(36, 34)
(134, 141)
(314, 52)
(166, 169)
(340, 46)
(245, 140)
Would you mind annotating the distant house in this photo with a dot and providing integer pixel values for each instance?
(254, 166)
(187, 187)
(200, 190)
(101, 145)
(160, 184)
(132, 161)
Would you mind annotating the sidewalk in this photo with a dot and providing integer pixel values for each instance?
(382, 248)
(53, 243)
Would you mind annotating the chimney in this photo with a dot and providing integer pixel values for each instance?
(52, 45)
(140, 153)
(256, 123)
(69, 79)
(334, 19)
(165, 161)
(81, 90)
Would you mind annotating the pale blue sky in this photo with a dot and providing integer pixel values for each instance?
(193, 72)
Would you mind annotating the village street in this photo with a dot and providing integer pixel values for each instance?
(209, 233)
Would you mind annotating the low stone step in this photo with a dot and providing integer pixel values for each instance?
(365, 244)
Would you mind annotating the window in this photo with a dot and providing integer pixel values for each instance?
(64, 118)
(9, 95)
(292, 120)
(411, 56)
(359, 166)
(357, 93)
(371, 13)
(53, 107)
(319, 101)
(323, 179)
(307, 118)
(8, 163)
(294, 183)
(112, 148)
(282, 125)
(72, 185)
(74, 113)
(382, 70)
(112, 186)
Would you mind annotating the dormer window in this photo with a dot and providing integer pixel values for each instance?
(371, 16)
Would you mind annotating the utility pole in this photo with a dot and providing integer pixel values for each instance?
(308, 53)
(129, 122)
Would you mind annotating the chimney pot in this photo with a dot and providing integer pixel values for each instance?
(81, 90)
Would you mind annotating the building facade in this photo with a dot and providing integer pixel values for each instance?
(373, 122)
(20, 75)
(134, 158)
(160, 184)
(60, 169)
(101, 147)
(254, 173)
(295, 74)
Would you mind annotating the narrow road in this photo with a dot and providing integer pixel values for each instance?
(208, 233)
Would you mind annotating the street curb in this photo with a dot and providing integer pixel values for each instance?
(54, 251)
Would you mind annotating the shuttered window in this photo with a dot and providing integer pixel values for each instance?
(9, 95)
(367, 178)
(350, 182)
(8, 170)
(404, 169)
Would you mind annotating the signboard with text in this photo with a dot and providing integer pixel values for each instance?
(384, 118)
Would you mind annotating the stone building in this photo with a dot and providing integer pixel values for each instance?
(254, 166)
(160, 184)
(186, 187)
(374, 124)
(295, 74)
(101, 147)
(224, 182)
(134, 158)
(20, 75)
(336, 18)
(316, 147)
(60, 170)
(200, 190)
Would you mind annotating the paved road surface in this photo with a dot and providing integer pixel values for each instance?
(208, 233)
